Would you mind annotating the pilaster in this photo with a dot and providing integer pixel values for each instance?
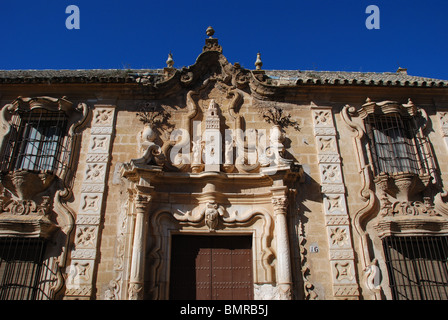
(283, 270)
(337, 223)
(85, 247)
(136, 279)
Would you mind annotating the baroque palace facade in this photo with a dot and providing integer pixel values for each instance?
(218, 182)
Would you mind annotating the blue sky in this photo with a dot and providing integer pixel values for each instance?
(291, 35)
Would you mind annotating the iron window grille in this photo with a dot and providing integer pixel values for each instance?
(417, 267)
(36, 141)
(24, 274)
(396, 144)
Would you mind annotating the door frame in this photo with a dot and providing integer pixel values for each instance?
(256, 222)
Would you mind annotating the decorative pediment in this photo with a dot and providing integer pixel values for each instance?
(210, 66)
(48, 103)
(386, 107)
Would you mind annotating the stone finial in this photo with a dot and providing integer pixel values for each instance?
(210, 32)
(401, 70)
(258, 63)
(211, 44)
(170, 61)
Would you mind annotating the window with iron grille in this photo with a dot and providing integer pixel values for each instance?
(417, 267)
(24, 275)
(396, 144)
(35, 141)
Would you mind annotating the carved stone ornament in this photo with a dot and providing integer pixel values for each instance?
(372, 274)
(402, 185)
(385, 107)
(210, 214)
(25, 184)
(408, 208)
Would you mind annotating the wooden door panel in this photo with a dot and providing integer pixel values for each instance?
(211, 268)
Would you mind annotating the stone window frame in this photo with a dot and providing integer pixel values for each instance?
(33, 203)
(36, 141)
(75, 117)
(396, 143)
(397, 203)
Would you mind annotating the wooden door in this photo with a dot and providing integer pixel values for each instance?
(211, 268)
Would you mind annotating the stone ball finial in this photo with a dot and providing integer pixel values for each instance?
(170, 61)
(210, 32)
(258, 63)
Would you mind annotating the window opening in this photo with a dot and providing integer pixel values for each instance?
(36, 141)
(395, 144)
(24, 275)
(417, 267)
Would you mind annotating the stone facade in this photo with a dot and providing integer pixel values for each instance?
(217, 149)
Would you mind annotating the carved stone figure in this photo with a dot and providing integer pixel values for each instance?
(211, 215)
(197, 151)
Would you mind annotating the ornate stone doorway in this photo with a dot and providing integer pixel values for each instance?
(209, 173)
(211, 268)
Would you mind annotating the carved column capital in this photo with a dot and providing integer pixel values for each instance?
(142, 203)
(280, 204)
